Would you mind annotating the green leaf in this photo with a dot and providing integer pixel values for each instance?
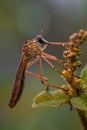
(50, 98)
(84, 74)
(80, 102)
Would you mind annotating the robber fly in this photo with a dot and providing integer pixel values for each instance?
(30, 49)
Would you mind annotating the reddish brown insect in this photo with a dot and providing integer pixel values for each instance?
(32, 49)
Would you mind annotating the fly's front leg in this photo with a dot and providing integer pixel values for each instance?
(45, 46)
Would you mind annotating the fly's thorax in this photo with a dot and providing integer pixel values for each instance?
(31, 48)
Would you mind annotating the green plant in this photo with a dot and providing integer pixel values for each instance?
(74, 92)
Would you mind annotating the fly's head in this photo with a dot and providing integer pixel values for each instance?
(31, 48)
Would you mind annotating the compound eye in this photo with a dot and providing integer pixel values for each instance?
(39, 38)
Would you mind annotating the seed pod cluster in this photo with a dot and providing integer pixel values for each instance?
(72, 52)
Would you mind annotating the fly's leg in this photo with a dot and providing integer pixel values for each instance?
(45, 46)
(54, 58)
(42, 78)
(41, 70)
(52, 66)
(45, 81)
(32, 62)
(41, 74)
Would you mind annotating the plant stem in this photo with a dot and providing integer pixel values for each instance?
(83, 118)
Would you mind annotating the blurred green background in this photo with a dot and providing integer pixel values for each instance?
(21, 20)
